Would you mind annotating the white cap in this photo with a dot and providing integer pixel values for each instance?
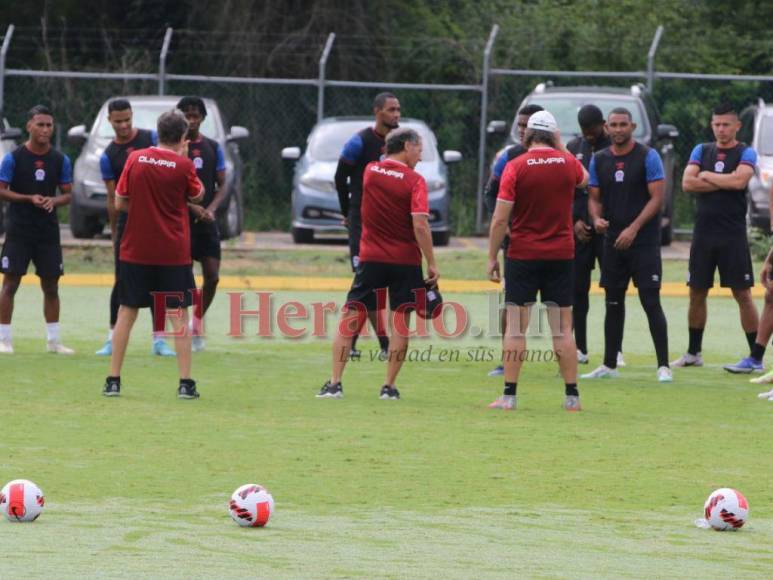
(542, 121)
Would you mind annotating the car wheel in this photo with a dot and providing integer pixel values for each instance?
(303, 236)
(83, 226)
(231, 221)
(441, 238)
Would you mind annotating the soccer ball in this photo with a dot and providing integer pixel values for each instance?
(21, 501)
(251, 505)
(726, 509)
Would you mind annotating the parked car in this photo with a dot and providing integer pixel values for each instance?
(88, 211)
(8, 142)
(315, 206)
(564, 102)
(758, 132)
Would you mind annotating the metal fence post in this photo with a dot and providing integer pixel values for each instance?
(483, 115)
(3, 53)
(651, 58)
(322, 66)
(162, 61)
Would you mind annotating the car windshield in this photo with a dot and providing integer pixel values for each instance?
(145, 117)
(327, 141)
(565, 107)
(766, 136)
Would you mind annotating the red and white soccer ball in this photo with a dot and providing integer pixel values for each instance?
(21, 501)
(251, 506)
(726, 509)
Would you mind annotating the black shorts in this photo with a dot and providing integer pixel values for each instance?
(730, 254)
(642, 264)
(139, 281)
(19, 251)
(205, 244)
(355, 233)
(553, 279)
(586, 254)
(401, 280)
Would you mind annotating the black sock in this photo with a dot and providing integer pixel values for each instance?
(751, 338)
(580, 320)
(571, 390)
(383, 341)
(189, 382)
(115, 379)
(354, 341)
(758, 351)
(614, 321)
(696, 340)
(510, 389)
(650, 301)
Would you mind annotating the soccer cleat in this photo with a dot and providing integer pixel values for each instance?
(765, 379)
(389, 393)
(601, 372)
(355, 354)
(572, 403)
(112, 388)
(504, 402)
(383, 355)
(331, 391)
(665, 375)
(745, 366)
(766, 394)
(582, 358)
(688, 360)
(6, 347)
(187, 390)
(106, 350)
(56, 347)
(161, 348)
(497, 372)
(197, 343)
(620, 359)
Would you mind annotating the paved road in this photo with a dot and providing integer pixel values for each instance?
(679, 250)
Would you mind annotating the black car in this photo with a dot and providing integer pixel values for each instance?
(564, 102)
(8, 137)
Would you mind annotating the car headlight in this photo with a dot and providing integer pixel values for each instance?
(317, 184)
(766, 178)
(435, 184)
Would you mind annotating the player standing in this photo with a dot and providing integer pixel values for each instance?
(395, 236)
(29, 178)
(111, 164)
(626, 193)
(537, 191)
(718, 174)
(492, 191)
(208, 158)
(364, 147)
(155, 187)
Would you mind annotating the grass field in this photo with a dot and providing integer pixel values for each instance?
(434, 485)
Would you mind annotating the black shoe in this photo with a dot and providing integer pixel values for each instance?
(331, 391)
(389, 393)
(187, 390)
(355, 354)
(112, 387)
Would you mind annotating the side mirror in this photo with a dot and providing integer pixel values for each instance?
(667, 132)
(451, 156)
(77, 135)
(11, 134)
(291, 153)
(238, 132)
(496, 127)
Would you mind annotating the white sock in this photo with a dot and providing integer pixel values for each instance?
(52, 331)
(110, 334)
(5, 332)
(158, 335)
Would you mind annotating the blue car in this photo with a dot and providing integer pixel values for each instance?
(315, 207)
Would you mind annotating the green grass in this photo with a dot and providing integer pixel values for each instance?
(434, 485)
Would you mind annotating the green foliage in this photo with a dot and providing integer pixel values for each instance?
(759, 243)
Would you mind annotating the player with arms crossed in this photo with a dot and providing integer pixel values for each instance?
(29, 179)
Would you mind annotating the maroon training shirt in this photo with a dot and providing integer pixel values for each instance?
(158, 183)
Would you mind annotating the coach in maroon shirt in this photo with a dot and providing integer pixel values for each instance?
(395, 235)
(536, 196)
(155, 255)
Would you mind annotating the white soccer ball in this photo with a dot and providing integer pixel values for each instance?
(251, 505)
(726, 509)
(21, 501)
